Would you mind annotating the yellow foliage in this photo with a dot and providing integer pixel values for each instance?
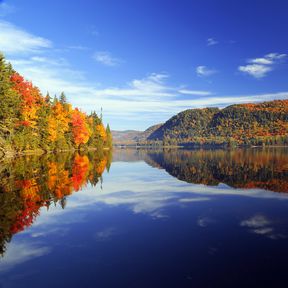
(102, 131)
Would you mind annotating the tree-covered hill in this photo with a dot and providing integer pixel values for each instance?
(242, 124)
(186, 124)
(30, 121)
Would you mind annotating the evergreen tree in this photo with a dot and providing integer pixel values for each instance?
(10, 103)
(109, 136)
(63, 99)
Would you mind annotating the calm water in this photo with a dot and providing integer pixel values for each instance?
(148, 219)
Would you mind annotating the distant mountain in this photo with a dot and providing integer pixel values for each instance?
(242, 124)
(125, 137)
(131, 137)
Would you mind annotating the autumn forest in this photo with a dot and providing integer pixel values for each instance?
(30, 121)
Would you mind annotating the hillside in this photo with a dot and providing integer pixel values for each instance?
(241, 124)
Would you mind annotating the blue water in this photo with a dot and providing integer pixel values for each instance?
(145, 228)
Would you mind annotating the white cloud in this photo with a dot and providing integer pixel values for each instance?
(275, 56)
(48, 61)
(204, 71)
(194, 92)
(14, 40)
(106, 58)
(259, 67)
(262, 61)
(211, 42)
(255, 70)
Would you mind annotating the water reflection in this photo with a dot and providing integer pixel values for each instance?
(144, 224)
(32, 182)
(242, 168)
(29, 183)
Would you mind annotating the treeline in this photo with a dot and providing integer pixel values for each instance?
(246, 124)
(31, 121)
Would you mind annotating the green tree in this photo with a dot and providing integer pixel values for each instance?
(109, 136)
(10, 103)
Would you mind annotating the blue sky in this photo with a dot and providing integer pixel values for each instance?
(144, 61)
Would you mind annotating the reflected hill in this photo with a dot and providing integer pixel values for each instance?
(29, 183)
(250, 168)
(241, 168)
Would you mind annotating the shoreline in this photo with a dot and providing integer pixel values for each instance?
(197, 147)
(39, 152)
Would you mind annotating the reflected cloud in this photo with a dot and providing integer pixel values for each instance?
(256, 222)
(261, 225)
(204, 221)
(105, 234)
(188, 200)
(57, 230)
(18, 253)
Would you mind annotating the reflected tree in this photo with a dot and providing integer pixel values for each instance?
(240, 168)
(29, 183)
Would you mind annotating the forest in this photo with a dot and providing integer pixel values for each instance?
(242, 124)
(30, 121)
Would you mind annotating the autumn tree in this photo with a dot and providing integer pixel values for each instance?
(58, 125)
(80, 128)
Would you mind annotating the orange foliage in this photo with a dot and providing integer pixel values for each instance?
(59, 182)
(80, 171)
(80, 130)
(29, 189)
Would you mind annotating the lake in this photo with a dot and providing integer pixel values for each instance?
(145, 218)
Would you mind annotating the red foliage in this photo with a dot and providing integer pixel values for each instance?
(26, 217)
(80, 129)
(80, 171)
